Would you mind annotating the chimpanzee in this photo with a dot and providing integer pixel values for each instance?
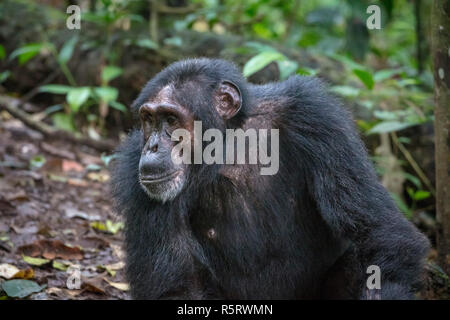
(315, 229)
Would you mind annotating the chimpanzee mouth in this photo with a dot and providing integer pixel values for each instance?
(158, 179)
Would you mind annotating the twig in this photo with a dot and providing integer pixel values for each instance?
(154, 24)
(12, 106)
(413, 164)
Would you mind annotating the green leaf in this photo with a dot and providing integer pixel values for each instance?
(37, 162)
(63, 121)
(55, 89)
(93, 167)
(114, 227)
(390, 126)
(59, 265)
(107, 158)
(4, 75)
(35, 261)
(77, 96)
(108, 226)
(345, 91)
(382, 75)
(147, 43)
(67, 50)
(2, 52)
(261, 60)
(174, 41)
(106, 94)
(110, 72)
(21, 288)
(27, 52)
(259, 47)
(421, 195)
(98, 225)
(348, 63)
(287, 67)
(117, 105)
(385, 115)
(305, 71)
(365, 77)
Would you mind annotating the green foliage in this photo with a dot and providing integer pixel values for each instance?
(63, 121)
(2, 52)
(110, 72)
(365, 77)
(37, 162)
(29, 51)
(67, 50)
(261, 60)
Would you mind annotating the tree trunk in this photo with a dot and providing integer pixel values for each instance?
(441, 59)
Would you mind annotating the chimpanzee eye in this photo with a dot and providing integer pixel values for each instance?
(171, 120)
(149, 119)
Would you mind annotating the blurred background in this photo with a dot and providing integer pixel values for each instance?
(65, 94)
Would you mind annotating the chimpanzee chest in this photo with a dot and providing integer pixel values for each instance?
(246, 259)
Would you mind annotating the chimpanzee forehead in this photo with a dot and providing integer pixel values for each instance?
(165, 95)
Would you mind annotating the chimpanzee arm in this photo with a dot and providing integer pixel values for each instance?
(347, 192)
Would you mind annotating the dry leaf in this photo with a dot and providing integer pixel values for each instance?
(118, 285)
(78, 182)
(68, 165)
(24, 274)
(93, 286)
(8, 271)
(98, 176)
(51, 249)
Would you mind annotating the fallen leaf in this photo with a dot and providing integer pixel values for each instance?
(51, 249)
(19, 195)
(98, 176)
(59, 265)
(118, 251)
(21, 288)
(114, 227)
(24, 274)
(77, 182)
(98, 225)
(68, 165)
(116, 266)
(108, 226)
(7, 271)
(30, 228)
(74, 213)
(57, 178)
(118, 285)
(93, 286)
(55, 291)
(74, 292)
(35, 261)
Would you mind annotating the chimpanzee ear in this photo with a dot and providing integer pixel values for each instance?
(228, 100)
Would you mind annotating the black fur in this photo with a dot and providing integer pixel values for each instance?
(310, 231)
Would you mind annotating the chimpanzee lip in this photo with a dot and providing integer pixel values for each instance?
(156, 179)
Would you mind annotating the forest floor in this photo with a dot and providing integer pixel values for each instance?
(57, 227)
(59, 237)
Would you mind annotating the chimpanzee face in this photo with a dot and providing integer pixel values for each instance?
(161, 175)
